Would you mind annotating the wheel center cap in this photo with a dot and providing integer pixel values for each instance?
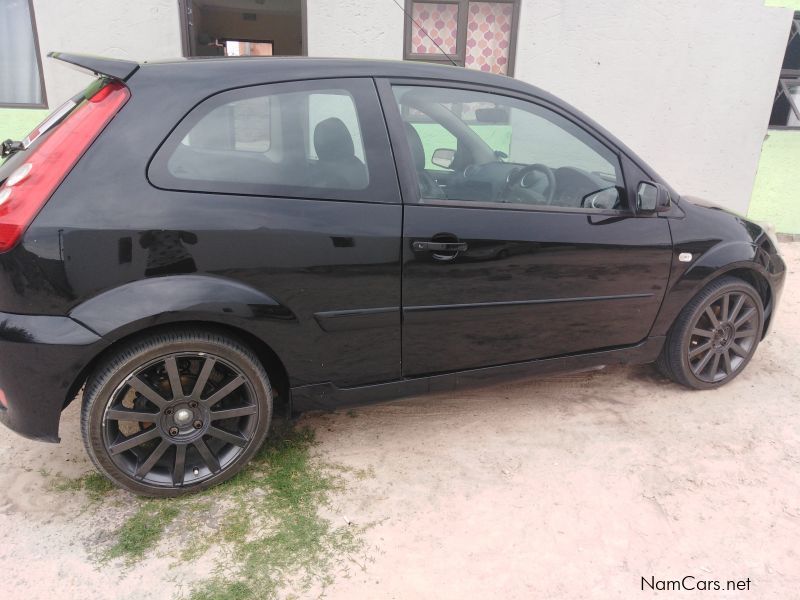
(183, 416)
(723, 335)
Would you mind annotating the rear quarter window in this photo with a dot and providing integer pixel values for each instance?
(320, 139)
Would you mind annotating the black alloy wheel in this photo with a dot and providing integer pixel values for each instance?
(723, 337)
(176, 413)
(715, 335)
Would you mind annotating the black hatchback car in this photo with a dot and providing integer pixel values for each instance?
(193, 243)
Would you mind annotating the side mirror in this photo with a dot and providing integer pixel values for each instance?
(652, 197)
(443, 157)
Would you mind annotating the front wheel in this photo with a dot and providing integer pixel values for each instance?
(176, 412)
(715, 335)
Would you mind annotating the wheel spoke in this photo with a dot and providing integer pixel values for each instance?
(145, 390)
(202, 378)
(226, 390)
(123, 414)
(208, 457)
(747, 316)
(726, 357)
(700, 349)
(233, 412)
(715, 366)
(148, 465)
(702, 332)
(179, 467)
(739, 350)
(745, 333)
(171, 366)
(702, 364)
(726, 303)
(134, 440)
(737, 308)
(227, 436)
(712, 317)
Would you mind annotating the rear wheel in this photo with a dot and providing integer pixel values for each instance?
(176, 412)
(715, 335)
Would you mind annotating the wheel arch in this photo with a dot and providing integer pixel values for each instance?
(732, 259)
(276, 370)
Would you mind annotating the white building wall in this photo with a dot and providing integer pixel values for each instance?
(355, 28)
(688, 84)
(141, 30)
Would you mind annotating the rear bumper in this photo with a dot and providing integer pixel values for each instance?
(40, 360)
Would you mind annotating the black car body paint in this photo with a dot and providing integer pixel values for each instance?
(333, 287)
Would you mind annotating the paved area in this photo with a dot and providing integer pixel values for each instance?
(567, 487)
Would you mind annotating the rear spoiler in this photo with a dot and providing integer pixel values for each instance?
(114, 68)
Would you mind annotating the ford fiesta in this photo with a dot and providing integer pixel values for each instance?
(197, 244)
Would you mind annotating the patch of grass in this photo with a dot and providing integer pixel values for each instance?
(265, 524)
(95, 485)
(274, 530)
(142, 531)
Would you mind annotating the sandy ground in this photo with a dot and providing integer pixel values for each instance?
(562, 488)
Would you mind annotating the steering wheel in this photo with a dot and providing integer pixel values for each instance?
(520, 187)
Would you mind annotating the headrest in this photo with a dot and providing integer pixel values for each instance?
(332, 140)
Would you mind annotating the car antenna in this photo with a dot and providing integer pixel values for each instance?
(422, 29)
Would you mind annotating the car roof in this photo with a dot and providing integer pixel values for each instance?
(297, 67)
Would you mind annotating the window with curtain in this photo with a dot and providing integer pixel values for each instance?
(20, 70)
(474, 34)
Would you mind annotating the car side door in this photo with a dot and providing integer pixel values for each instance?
(499, 269)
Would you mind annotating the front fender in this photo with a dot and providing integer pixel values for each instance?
(161, 300)
(688, 279)
(721, 258)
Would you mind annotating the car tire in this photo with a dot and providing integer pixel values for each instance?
(152, 440)
(715, 336)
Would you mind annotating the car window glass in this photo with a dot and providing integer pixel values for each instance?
(243, 126)
(340, 106)
(303, 139)
(475, 146)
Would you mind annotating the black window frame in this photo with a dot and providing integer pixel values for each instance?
(789, 77)
(382, 187)
(461, 34)
(629, 171)
(35, 33)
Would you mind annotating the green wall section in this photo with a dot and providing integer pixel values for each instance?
(776, 195)
(795, 4)
(16, 123)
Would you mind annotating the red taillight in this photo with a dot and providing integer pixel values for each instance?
(3, 401)
(52, 160)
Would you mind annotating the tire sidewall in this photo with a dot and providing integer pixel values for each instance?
(118, 368)
(698, 306)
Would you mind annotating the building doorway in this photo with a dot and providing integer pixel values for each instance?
(243, 27)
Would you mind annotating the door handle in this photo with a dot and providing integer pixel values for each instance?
(440, 246)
